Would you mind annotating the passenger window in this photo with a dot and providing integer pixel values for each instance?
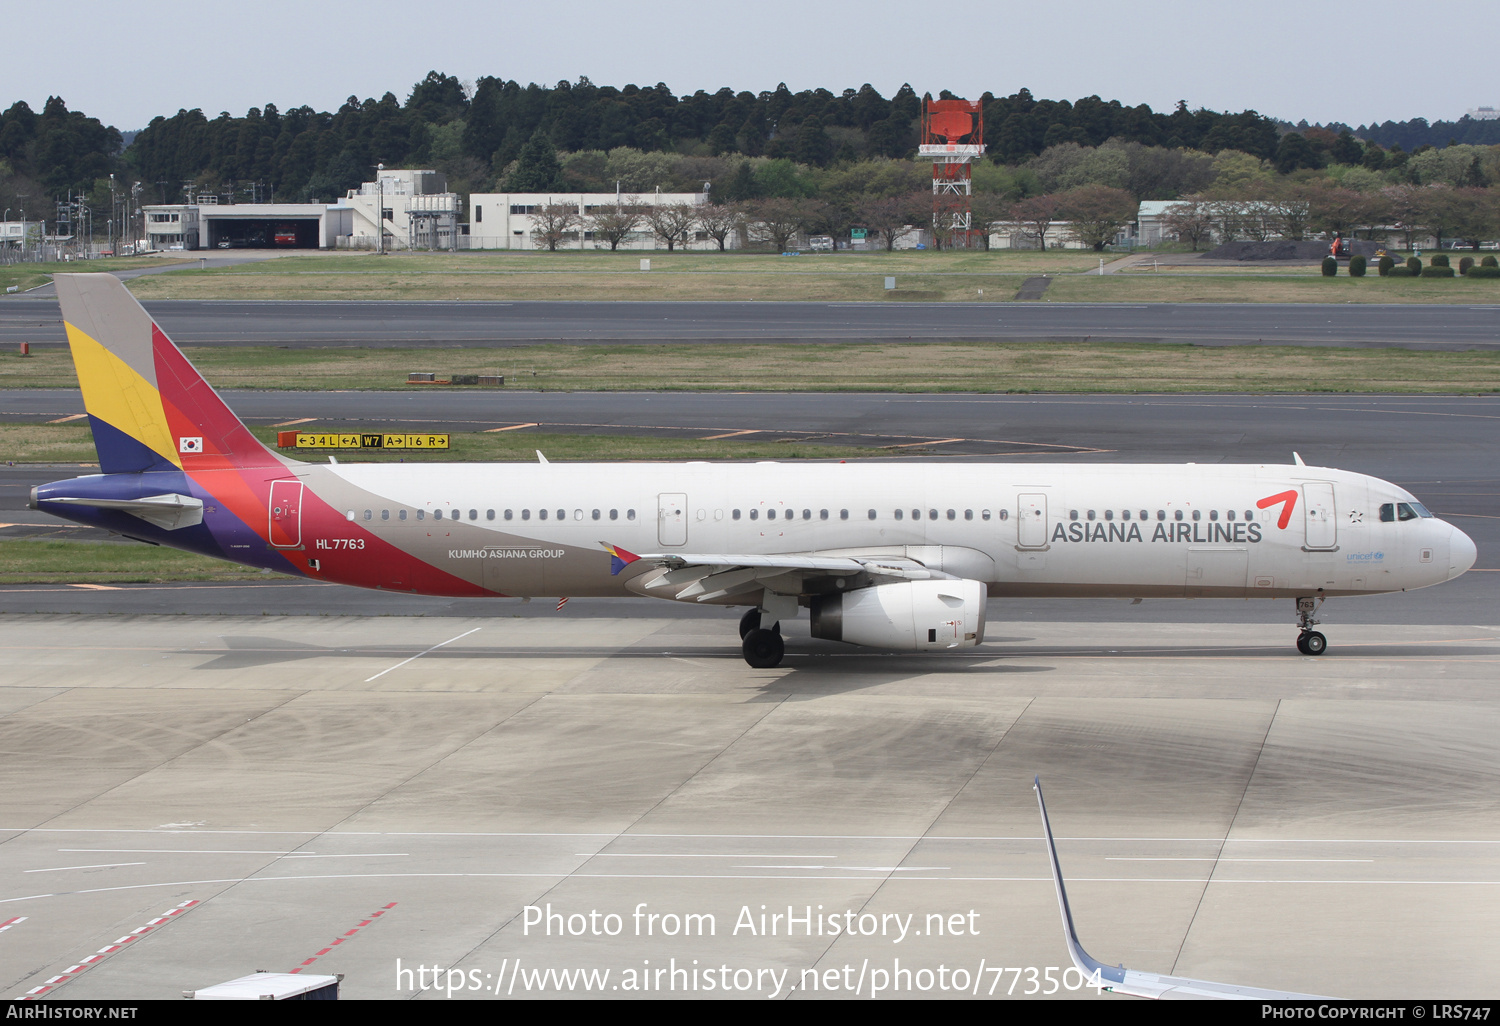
(525, 514)
(510, 514)
(1229, 514)
(1213, 514)
(822, 514)
(1177, 514)
(578, 514)
(541, 514)
(1072, 514)
(755, 514)
(1197, 515)
(369, 515)
(489, 514)
(843, 514)
(385, 514)
(596, 514)
(349, 515)
(899, 515)
(872, 514)
(421, 514)
(1145, 515)
(562, 514)
(932, 514)
(807, 514)
(630, 514)
(1109, 514)
(770, 514)
(916, 514)
(1124, 514)
(401, 515)
(1249, 515)
(1091, 514)
(968, 514)
(734, 514)
(473, 514)
(614, 514)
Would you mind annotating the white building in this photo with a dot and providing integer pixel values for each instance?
(15, 235)
(1013, 235)
(209, 224)
(415, 211)
(503, 220)
(171, 226)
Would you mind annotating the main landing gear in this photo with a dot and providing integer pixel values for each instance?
(1309, 642)
(763, 649)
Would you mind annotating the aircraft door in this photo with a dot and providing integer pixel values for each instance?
(286, 514)
(1319, 515)
(671, 518)
(1031, 521)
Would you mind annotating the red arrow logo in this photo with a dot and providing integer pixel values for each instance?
(1289, 500)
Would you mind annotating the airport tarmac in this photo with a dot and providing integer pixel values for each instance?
(190, 798)
(196, 785)
(402, 324)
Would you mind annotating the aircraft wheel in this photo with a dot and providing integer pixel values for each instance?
(749, 622)
(1313, 643)
(1302, 643)
(763, 649)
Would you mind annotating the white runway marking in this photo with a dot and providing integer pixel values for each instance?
(106, 865)
(419, 655)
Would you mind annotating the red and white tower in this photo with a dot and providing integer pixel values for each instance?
(953, 137)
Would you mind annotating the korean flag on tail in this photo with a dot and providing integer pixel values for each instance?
(190, 444)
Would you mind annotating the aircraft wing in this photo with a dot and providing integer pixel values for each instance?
(706, 576)
(1120, 980)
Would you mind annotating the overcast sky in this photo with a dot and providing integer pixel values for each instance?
(1323, 60)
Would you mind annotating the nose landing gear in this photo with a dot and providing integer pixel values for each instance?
(1309, 642)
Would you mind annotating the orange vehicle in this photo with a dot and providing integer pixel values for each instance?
(285, 235)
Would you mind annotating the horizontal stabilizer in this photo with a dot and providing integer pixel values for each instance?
(169, 512)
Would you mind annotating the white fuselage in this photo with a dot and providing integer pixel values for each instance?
(1021, 529)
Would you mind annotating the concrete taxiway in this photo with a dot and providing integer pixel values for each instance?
(186, 799)
(401, 324)
(194, 785)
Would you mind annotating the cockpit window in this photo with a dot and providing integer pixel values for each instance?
(1392, 511)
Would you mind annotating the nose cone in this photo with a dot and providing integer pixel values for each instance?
(1461, 553)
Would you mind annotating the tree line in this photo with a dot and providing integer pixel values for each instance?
(843, 154)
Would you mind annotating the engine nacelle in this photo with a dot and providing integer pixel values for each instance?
(914, 615)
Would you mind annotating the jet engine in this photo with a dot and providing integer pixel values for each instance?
(912, 615)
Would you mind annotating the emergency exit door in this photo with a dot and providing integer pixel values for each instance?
(671, 518)
(1319, 515)
(286, 514)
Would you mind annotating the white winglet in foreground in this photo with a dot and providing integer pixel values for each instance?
(1130, 981)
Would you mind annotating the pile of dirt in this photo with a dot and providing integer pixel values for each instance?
(1301, 252)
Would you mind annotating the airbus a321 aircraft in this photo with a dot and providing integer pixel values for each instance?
(894, 556)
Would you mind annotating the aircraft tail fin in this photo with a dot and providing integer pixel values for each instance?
(147, 406)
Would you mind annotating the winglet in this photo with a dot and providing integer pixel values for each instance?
(619, 558)
(1086, 964)
(1131, 981)
(1297, 459)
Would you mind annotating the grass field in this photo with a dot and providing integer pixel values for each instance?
(29, 276)
(883, 367)
(23, 561)
(1256, 286)
(846, 277)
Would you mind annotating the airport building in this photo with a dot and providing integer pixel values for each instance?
(209, 224)
(506, 220)
(412, 209)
